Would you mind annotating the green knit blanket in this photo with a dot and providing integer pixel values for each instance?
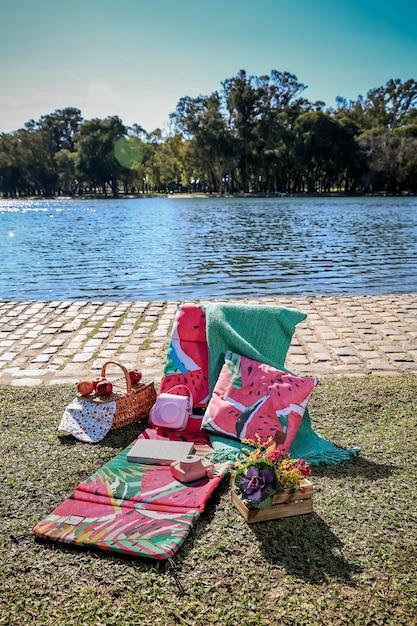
(263, 333)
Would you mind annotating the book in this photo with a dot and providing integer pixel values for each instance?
(159, 451)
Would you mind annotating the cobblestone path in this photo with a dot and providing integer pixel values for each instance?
(62, 342)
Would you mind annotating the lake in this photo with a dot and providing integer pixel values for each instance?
(206, 248)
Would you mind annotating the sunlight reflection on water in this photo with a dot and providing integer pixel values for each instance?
(206, 248)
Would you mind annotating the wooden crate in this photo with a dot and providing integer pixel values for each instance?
(283, 505)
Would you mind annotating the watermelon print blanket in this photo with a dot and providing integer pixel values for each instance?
(132, 508)
(185, 370)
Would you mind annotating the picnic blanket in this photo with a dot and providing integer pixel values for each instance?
(133, 508)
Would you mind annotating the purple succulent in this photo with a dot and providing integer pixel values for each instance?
(257, 481)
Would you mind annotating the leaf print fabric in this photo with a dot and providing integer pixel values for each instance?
(132, 508)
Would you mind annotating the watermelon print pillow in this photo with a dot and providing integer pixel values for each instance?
(251, 397)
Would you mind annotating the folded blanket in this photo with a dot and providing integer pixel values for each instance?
(260, 332)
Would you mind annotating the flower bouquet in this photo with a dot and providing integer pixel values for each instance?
(265, 476)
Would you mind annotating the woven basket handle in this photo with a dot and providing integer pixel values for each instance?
(125, 372)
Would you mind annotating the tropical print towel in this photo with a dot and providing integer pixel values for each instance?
(132, 508)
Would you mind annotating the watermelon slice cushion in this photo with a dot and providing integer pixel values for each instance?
(252, 398)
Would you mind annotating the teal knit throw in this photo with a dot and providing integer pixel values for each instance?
(260, 332)
(263, 333)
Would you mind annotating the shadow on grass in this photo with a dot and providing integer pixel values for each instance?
(120, 438)
(356, 467)
(306, 547)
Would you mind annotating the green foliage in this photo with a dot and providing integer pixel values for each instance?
(256, 135)
(129, 152)
(95, 148)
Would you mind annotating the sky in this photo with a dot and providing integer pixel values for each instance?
(136, 58)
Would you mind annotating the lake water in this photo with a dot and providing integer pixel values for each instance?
(206, 248)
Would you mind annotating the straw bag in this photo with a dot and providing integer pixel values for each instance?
(133, 402)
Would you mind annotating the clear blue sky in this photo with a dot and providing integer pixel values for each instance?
(136, 59)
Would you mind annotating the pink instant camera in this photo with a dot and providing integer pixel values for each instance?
(191, 468)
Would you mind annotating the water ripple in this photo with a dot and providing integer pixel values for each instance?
(195, 248)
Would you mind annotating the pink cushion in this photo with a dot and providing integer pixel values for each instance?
(252, 398)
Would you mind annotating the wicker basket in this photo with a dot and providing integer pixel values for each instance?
(133, 402)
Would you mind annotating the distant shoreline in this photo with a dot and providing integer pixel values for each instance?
(191, 195)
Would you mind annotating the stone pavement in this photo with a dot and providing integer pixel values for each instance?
(62, 342)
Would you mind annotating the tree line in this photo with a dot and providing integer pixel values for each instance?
(257, 134)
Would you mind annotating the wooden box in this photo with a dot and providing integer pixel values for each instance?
(283, 505)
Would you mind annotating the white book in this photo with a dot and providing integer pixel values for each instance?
(159, 451)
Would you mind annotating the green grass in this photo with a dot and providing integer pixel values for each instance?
(352, 561)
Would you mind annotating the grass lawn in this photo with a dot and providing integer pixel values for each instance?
(352, 561)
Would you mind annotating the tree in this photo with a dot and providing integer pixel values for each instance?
(200, 120)
(97, 164)
(35, 162)
(279, 105)
(10, 171)
(391, 157)
(174, 173)
(129, 152)
(241, 101)
(257, 134)
(407, 138)
(152, 160)
(60, 128)
(391, 106)
(326, 150)
(66, 165)
(35, 159)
